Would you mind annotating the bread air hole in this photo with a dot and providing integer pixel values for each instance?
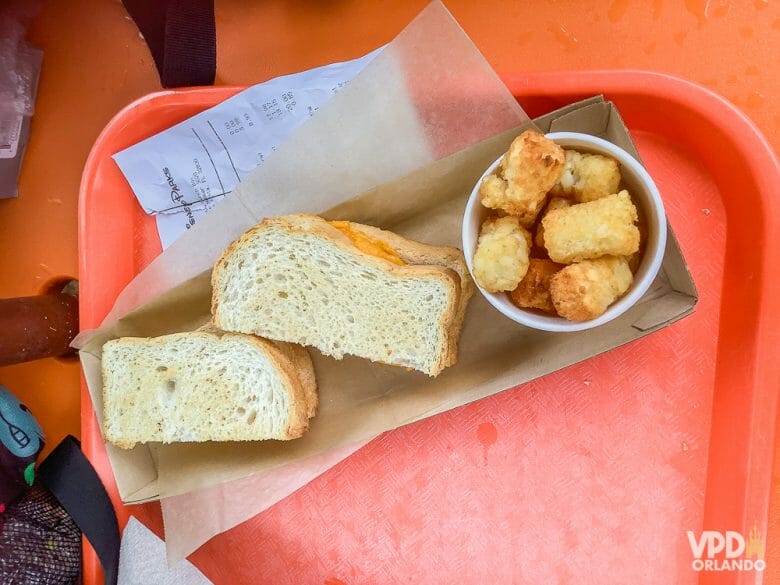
(170, 385)
(241, 411)
(282, 294)
(162, 368)
(251, 418)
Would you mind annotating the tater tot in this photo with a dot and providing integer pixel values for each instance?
(587, 177)
(501, 259)
(533, 292)
(591, 230)
(529, 239)
(555, 203)
(529, 169)
(633, 262)
(584, 290)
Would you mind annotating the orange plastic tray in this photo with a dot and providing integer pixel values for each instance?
(590, 475)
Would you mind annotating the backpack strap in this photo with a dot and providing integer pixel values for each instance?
(182, 38)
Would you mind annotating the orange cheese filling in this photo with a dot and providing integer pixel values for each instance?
(368, 245)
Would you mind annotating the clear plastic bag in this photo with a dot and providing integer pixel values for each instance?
(20, 65)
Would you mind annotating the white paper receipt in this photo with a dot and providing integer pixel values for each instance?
(182, 172)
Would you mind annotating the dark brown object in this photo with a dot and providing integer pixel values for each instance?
(36, 327)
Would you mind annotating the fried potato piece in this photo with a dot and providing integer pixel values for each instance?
(605, 227)
(587, 177)
(584, 290)
(555, 203)
(533, 292)
(529, 169)
(501, 259)
(634, 261)
(529, 239)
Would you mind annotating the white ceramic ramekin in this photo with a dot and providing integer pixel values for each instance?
(645, 195)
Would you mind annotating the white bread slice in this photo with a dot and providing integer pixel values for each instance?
(417, 253)
(200, 386)
(302, 368)
(297, 278)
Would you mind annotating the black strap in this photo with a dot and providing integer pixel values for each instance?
(182, 37)
(68, 475)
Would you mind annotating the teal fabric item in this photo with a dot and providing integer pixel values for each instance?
(21, 440)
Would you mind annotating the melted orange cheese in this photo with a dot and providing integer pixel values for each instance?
(367, 244)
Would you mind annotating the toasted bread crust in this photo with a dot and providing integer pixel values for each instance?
(299, 406)
(304, 370)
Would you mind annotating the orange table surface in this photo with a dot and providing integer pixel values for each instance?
(95, 62)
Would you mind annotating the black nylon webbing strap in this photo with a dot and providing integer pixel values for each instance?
(69, 476)
(182, 37)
